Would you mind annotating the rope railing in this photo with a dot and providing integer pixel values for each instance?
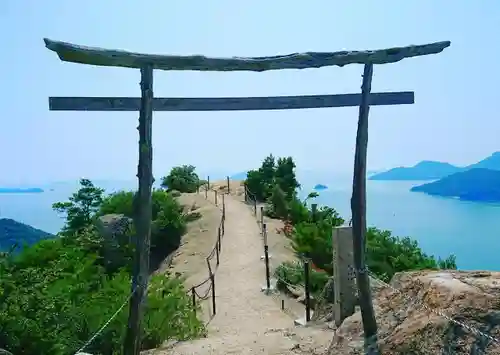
(214, 253)
(270, 289)
(250, 199)
(194, 290)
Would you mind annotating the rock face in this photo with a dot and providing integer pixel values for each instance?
(411, 321)
(115, 229)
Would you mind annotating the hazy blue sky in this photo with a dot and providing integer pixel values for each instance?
(455, 117)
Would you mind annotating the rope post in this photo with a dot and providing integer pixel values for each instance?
(217, 249)
(223, 207)
(198, 188)
(218, 238)
(261, 216)
(255, 207)
(246, 194)
(308, 289)
(212, 279)
(228, 188)
(193, 297)
(266, 256)
(206, 192)
(208, 182)
(215, 192)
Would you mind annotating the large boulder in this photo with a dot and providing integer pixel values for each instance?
(116, 230)
(432, 312)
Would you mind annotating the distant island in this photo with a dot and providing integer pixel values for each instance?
(20, 190)
(476, 184)
(434, 170)
(320, 187)
(13, 232)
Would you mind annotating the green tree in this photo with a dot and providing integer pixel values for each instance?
(285, 177)
(56, 294)
(261, 182)
(81, 207)
(168, 219)
(182, 178)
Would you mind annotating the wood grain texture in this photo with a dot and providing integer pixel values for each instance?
(228, 103)
(358, 211)
(69, 52)
(142, 217)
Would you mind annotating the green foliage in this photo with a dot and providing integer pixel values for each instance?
(293, 273)
(285, 177)
(56, 294)
(312, 233)
(262, 182)
(182, 178)
(81, 207)
(387, 255)
(168, 219)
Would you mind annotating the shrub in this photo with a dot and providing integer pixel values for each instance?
(312, 235)
(293, 273)
(263, 181)
(54, 296)
(182, 178)
(168, 219)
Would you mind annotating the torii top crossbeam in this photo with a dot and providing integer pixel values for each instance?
(118, 58)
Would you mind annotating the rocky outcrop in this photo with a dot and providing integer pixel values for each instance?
(431, 313)
(116, 229)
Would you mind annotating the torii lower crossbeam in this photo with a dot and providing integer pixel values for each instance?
(228, 103)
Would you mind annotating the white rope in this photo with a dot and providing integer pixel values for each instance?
(106, 324)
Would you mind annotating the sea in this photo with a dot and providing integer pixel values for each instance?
(441, 226)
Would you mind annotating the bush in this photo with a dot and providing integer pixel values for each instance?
(168, 220)
(262, 182)
(293, 273)
(54, 296)
(312, 235)
(182, 178)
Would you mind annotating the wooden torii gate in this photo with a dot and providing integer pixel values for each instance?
(146, 104)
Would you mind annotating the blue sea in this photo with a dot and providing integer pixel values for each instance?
(441, 226)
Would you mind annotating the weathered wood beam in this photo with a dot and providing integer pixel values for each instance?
(228, 103)
(69, 52)
(358, 211)
(142, 217)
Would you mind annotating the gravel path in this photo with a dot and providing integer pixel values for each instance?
(247, 321)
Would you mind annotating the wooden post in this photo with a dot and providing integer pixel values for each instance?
(193, 299)
(314, 209)
(208, 182)
(228, 187)
(142, 220)
(217, 251)
(307, 287)
(219, 234)
(358, 212)
(261, 217)
(215, 194)
(212, 279)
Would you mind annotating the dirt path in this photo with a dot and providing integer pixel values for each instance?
(247, 321)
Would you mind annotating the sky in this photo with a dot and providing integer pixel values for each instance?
(454, 118)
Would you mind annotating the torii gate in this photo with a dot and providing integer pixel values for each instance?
(146, 104)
